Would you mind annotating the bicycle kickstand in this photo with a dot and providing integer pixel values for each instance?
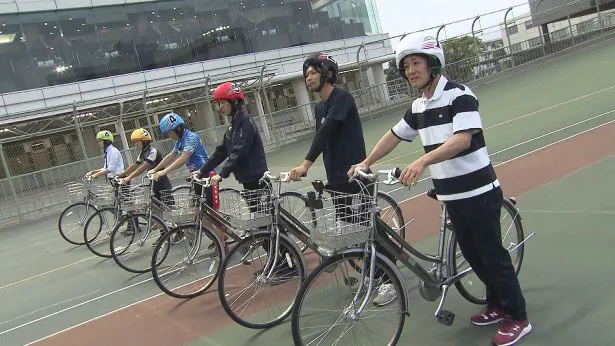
(444, 316)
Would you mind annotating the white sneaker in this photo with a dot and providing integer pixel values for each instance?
(386, 294)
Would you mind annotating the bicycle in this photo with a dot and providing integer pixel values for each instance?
(130, 245)
(272, 258)
(97, 230)
(89, 193)
(235, 219)
(355, 263)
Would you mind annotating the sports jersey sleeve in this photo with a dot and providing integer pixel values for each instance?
(464, 110)
(151, 157)
(341, 107)
(175, 149)
(404, 129)
(191, 144)
(217, 158)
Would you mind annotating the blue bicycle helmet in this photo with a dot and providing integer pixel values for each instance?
(170, 122)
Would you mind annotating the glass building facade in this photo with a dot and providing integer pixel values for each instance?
(39, 49)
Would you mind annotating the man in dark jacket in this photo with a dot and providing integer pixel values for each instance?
(242, 146)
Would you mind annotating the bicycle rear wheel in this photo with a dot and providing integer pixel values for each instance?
(72, 220)
(133, 241)
(325, 311)
(98, 229)
(470, 286)
(186, 261)
(391, 213)
(254, 291)
(294, 203)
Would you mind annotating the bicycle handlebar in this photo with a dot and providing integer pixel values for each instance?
(283, 176)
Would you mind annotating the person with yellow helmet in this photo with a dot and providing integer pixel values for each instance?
(149, 157)
(113, 158)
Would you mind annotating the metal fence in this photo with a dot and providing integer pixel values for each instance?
(26, 194)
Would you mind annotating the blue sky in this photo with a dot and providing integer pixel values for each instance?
(400, 16)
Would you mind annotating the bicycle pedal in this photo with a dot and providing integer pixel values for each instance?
(446, 317)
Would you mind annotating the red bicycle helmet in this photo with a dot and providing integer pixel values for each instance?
(228, 91)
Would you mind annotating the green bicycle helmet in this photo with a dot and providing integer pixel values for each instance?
(104, 136)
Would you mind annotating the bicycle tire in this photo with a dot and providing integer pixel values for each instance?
(223, 293)
(311, 215)
(511, 209)
(112, 243)
(157, 264)
(90, 236)
(383, 196)
(65, 212)
(352, 257)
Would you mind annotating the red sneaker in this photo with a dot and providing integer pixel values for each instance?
(510, 332)
(491, 315)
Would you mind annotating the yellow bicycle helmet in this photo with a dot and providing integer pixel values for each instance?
(140, 135)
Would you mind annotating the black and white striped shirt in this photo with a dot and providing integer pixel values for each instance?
(453, 108)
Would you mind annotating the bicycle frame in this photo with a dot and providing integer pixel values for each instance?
(380, 234)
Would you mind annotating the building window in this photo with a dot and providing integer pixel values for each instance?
(516, 47)
(529, 25)
(535, 42)
(511, 30)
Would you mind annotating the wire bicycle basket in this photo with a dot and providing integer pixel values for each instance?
(132, 198)
(249, 209)
(344, 220)
(181, 206)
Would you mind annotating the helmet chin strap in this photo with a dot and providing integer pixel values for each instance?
(429, 84)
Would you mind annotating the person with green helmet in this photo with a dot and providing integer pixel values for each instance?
(113, 164)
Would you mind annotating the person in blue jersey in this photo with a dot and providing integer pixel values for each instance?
(188, 146)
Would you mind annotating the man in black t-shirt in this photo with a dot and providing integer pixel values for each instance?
(339, 136)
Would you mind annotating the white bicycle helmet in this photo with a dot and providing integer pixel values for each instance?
(421, 44)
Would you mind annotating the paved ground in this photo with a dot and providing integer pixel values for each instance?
(47, 286)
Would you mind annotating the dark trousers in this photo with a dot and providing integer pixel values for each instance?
(476, 222)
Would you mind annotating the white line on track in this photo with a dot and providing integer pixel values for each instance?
(146, 299)
(49, 306)
(46, 273)
(95, 318)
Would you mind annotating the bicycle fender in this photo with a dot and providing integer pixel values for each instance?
(287, 238)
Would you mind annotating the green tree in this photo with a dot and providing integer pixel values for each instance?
(392, 72)
(462, 57)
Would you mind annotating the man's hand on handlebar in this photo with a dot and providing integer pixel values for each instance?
(362, 166)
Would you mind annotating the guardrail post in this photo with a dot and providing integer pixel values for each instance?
(7, 170)
(78, 129)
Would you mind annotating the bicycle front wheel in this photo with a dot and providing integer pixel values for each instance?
(186, 261)
(470, 286)
(72, 220)
(133, 241)
(326, 308)
(257, 289)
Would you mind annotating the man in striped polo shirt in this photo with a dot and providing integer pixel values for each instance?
(447, 120)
